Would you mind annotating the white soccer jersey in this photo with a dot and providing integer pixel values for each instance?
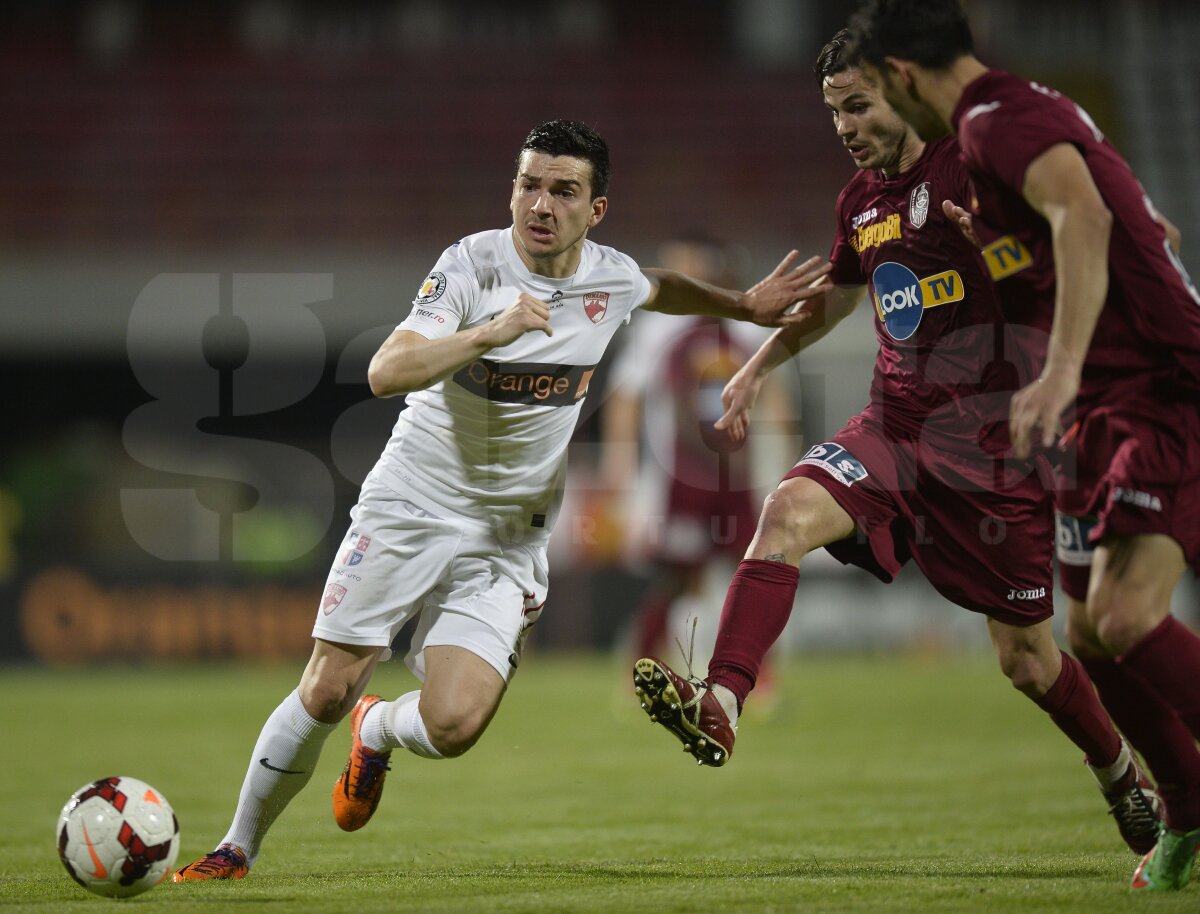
(489, 443)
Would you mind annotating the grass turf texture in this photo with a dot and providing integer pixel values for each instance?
(914, 784)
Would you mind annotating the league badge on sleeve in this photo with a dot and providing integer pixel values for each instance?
(431, 289)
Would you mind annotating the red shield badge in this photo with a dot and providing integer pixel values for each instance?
(332, 598)
(595, 304)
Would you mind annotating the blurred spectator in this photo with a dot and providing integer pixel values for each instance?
(686, 492)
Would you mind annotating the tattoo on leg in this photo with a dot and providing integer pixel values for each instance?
(775, 557)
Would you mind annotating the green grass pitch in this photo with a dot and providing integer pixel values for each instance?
(901, 784)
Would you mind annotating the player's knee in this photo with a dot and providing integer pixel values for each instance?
(1027, 670)
(453, 731)
(326, 698)
(1121, 628)
(786, 521)
(1123, 616)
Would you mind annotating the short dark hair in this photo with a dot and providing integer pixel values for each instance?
(572, 138)
(932, 33)
(832, 59)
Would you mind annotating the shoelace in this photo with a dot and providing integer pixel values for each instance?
(699, 686)
(1133, 810)
(228, 857)
(371, 769)
(691, 650)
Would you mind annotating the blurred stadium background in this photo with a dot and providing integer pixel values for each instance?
(212, 213)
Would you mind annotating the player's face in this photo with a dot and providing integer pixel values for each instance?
(552, 211)
(875, 136)
(898, 87)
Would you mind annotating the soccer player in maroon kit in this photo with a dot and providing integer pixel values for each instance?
(1124, 348)
(921, 472)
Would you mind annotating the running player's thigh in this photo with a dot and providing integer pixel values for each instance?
(1134, 576)
(798, 517)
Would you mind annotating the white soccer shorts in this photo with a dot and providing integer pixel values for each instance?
(397, 560)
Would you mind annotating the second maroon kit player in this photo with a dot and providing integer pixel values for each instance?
(1124, 351)
(921, 473)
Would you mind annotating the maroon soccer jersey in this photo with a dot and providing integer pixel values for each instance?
(1150, 328)
(941, 372)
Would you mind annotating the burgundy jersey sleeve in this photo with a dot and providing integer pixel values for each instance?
(847, 267)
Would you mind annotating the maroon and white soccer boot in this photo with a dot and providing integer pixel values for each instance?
(1132, 801)
(687, 707)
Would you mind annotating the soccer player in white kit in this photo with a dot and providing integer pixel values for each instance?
(453, 521)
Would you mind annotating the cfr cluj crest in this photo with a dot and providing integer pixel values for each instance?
(918, 205)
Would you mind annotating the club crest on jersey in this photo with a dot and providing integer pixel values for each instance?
(918, 205)
(594, 305)
(431, 289)
(901, 298)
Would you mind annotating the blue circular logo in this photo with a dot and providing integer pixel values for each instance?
(897, 299)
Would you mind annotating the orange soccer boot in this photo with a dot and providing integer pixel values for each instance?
(357, 791)
(226, 862)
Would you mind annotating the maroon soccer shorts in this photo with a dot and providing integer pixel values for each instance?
(1132, 467)
(982, 536)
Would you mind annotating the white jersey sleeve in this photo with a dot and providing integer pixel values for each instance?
(642, 288)
(447, 300)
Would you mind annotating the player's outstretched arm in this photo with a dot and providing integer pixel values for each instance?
(811, 321)
(766, 302)
(408, 361)
(1059, 186)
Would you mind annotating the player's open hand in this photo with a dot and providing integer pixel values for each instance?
(768, 301)
(962, 220)
(526, 315)
(738, 398)
(1035, 415)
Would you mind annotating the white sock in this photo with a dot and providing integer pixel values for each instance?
(397, 725)
(728, 703)
(290, 743)
(1108, 778)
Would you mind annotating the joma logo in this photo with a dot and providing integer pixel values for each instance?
(1034, 594)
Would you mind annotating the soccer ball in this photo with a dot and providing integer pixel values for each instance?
(118, 837)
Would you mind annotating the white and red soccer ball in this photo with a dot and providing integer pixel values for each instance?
(118, 837)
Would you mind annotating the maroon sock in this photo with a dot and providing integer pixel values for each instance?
(650, 629)
(757, 608)
(1168, 659)
(1156, 732)
(1073, 705)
